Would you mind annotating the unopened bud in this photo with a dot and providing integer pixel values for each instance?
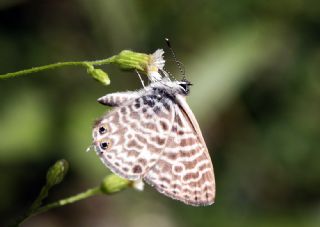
(129, 60)
(99, 75)
(113, 183)
(57, 172)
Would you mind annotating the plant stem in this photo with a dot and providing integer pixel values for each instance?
(83, 195)
(86, 64)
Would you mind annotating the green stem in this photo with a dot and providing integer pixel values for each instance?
(83, 195)
(37, 203)
(86, 64)
(126, 59)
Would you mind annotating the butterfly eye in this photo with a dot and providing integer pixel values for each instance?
(185, 85)
(185, 88)
(102, 130)
(104, 145)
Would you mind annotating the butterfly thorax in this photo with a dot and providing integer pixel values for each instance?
(170, 88)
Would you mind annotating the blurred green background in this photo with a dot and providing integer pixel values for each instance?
(255, 66)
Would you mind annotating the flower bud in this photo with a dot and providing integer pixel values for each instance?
(57, 172)
(113, 183)
(99, 75)
(128, 60)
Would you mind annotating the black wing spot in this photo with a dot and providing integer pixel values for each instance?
(104, 145)
(102, 130)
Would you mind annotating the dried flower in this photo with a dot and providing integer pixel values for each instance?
(156, 64)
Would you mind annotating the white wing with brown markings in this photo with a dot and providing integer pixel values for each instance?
(130, 138)
(184, 170)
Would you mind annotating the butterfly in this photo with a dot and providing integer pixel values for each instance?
(152, 134)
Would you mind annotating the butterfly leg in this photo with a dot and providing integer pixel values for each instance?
(140, 78)
(118, 98)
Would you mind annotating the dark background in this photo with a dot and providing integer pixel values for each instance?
(256, 94)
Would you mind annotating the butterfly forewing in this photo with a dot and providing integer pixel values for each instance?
(184, 170)
(130, 138)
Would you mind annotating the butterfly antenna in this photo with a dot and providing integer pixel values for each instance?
(182, 71)
(167, 73)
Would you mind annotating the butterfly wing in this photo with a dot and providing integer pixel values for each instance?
(130, 138)
(184, 170)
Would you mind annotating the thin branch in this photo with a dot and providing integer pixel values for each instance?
(87, 64)
(62, 202)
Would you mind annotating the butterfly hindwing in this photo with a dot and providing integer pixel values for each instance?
(130, 138)
(184, 171)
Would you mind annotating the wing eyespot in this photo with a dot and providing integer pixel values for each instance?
(104, 145)
(102, 130)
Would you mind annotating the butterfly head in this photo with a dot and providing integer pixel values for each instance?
(184, 86)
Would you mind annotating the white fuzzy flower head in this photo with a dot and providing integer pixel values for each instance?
(156, 64)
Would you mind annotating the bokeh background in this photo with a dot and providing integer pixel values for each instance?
(256, 94)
